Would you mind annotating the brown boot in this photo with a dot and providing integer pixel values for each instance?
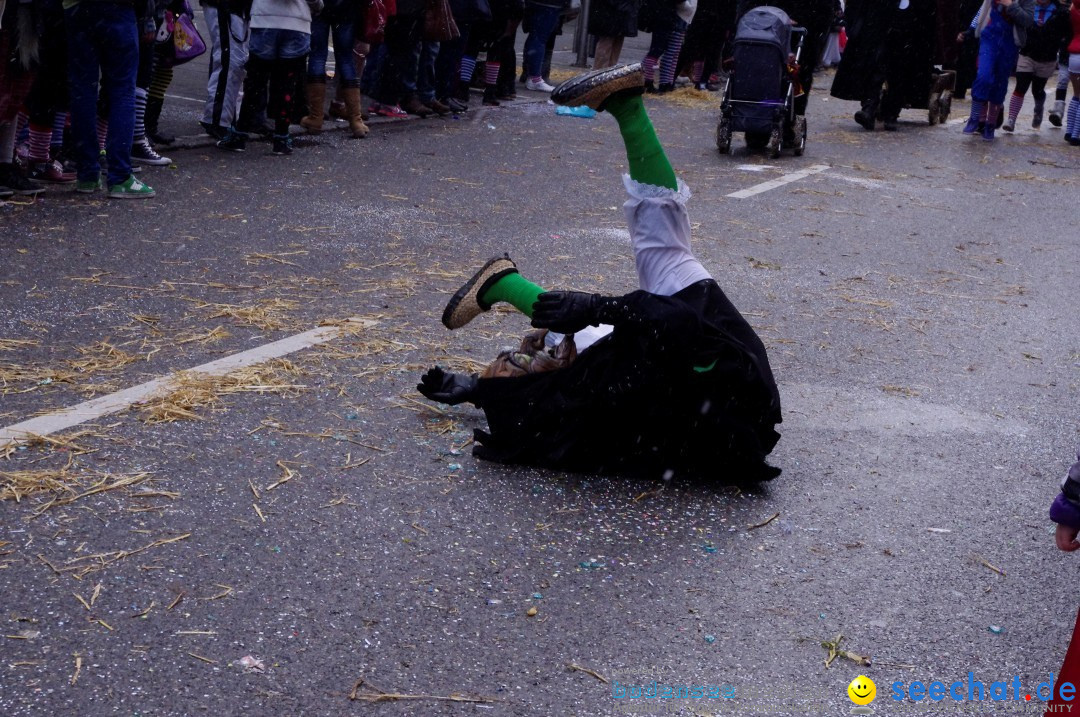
(413, 106)
(438, 107)
(316, 95)
(352, 104)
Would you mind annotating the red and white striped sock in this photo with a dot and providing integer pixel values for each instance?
(102, 133)
(491, 73)
(648, 67)
(1015, 103)
(40, 135)
(696, 69)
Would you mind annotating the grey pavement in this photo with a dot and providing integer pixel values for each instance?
(918, 300)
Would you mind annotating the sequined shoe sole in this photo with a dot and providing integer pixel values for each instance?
(466, 304)
(593, 88)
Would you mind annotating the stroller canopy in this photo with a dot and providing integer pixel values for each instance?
(765, 25)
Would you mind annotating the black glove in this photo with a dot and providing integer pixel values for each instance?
(449, 388)
(566, 311)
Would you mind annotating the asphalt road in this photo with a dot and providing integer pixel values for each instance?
(918, 299)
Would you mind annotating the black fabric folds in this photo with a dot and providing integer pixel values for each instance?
(633, 403)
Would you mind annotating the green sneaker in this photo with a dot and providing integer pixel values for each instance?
(131, 189)
(87, 187)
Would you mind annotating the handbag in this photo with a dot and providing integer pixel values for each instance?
(375, 19)
(178, 40)
(439, 25)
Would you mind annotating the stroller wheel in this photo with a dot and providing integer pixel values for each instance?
(934, 111)
(799, 130)
(723, 135)
(773, 146)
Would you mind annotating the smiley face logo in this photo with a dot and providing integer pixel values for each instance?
(862, 690)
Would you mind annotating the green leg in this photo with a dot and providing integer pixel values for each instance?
(515, 290)
(648, 163)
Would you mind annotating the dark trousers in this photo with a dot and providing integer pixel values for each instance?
(102, 39)
(49, 93)
(402, 36)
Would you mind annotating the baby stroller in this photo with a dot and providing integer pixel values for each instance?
(759, 97)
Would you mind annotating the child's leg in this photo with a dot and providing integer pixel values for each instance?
(1062, 88)
(656, 48)
(648, 163)
(513, 289)
(1072, 124)
(1038, 91)
(670, 59)
(497, 280)
(491, 74)
(1016, 102)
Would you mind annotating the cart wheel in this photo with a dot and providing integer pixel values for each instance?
(756, 140)
(944, 106)
(799, 130)
(723, 135)
(774, 143)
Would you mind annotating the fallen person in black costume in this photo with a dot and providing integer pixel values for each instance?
(679, 387)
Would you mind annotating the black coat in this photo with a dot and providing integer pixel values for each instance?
(633, 403)
(614, 18)
(883, 40)
(657, 15)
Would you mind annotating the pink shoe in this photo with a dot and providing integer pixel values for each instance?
(378, 108)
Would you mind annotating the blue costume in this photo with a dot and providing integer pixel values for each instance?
(998, 53)
(1002, 31)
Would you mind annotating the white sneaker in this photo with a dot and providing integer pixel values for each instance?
(143, 153)
(538, 86)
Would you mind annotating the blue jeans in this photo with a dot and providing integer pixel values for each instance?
(421, 82)
(274, 44)
(102, 39)
(369, 81)
(542, 22)
(344, 64)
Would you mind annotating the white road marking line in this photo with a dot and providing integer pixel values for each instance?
(779, 181)
(114, 402)
(868, 183)
(187, 99)
(755, 167)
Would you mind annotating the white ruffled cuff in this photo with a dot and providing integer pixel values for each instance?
(640, 191)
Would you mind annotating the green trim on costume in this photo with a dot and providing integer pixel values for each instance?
(516, 290)
(703, 369)
(648, 163)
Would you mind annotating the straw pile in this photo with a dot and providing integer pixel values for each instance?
(64, 485)
(692, 99)
(192, 390)
(268, 315)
